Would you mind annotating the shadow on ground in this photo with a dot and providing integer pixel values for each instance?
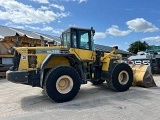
(89, 97)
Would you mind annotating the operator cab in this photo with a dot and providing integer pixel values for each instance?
(78, 38)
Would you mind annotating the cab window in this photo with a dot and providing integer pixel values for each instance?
(66, 39)
(84, 39)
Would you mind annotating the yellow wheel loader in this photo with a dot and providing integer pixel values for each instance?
(60, 70)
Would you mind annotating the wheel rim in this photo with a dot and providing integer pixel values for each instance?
(64, 84)
(123, 77)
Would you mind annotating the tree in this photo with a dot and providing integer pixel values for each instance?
(138, 46)
(151, 47)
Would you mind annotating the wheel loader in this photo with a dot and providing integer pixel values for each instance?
(60, 70)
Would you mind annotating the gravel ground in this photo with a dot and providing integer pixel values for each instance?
(19, 101)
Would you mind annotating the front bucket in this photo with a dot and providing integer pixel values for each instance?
(143, 76)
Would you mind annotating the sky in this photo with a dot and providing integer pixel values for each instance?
(116, 22)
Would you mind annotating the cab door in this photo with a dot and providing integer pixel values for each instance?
(82, 44)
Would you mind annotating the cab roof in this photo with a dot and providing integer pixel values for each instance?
(78, 28)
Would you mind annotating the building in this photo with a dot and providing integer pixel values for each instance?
(108, 49)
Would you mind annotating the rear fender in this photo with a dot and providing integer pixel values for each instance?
(71, 58)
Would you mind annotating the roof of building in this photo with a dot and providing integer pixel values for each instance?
(9, 31)
(108, 49)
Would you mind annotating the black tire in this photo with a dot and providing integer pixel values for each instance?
(99, 82)
(127, 75)
(51, 83)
